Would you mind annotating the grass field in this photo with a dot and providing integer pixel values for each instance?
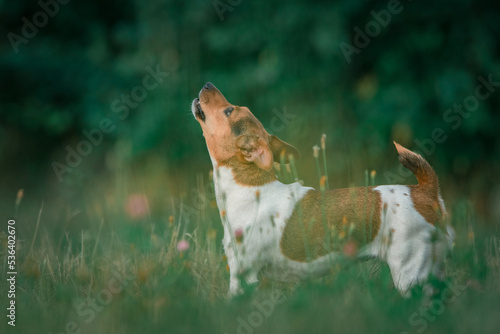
(129, 271)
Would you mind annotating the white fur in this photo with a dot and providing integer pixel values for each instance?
(403, 240)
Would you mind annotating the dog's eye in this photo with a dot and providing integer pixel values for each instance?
(228, 111)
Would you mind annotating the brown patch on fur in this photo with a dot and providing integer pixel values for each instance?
(248, 174)
(392, 191)
(426, 204)
(241, 125)
(317, 223)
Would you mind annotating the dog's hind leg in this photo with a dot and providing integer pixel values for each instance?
(410, 261)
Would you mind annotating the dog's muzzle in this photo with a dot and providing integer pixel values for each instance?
(197, 111)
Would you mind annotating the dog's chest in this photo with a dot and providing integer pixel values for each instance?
(257, 214)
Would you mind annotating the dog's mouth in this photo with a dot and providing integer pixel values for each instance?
(197, 111)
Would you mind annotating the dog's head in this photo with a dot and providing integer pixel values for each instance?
(234, 133)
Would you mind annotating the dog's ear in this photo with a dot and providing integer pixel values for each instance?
(255, 149)
(279, 147)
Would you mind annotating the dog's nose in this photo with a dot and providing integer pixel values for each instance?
(208, 86)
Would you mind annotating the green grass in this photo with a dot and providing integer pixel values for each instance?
(141, 283)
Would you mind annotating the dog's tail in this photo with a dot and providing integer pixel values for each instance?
(429, 184)
(426, 177)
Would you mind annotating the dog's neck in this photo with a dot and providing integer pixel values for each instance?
(239, 174)
(247, 174)
(237, 183)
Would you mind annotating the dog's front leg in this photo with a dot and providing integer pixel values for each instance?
(234, 269)
(238, 270)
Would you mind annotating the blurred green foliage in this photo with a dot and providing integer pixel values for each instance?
(267, 55)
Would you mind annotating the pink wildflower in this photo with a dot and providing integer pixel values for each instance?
(137, 206)
(182, 246)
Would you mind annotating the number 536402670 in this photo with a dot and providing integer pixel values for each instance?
(11, 229)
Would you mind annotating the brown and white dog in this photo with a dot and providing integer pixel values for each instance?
(290, 232)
